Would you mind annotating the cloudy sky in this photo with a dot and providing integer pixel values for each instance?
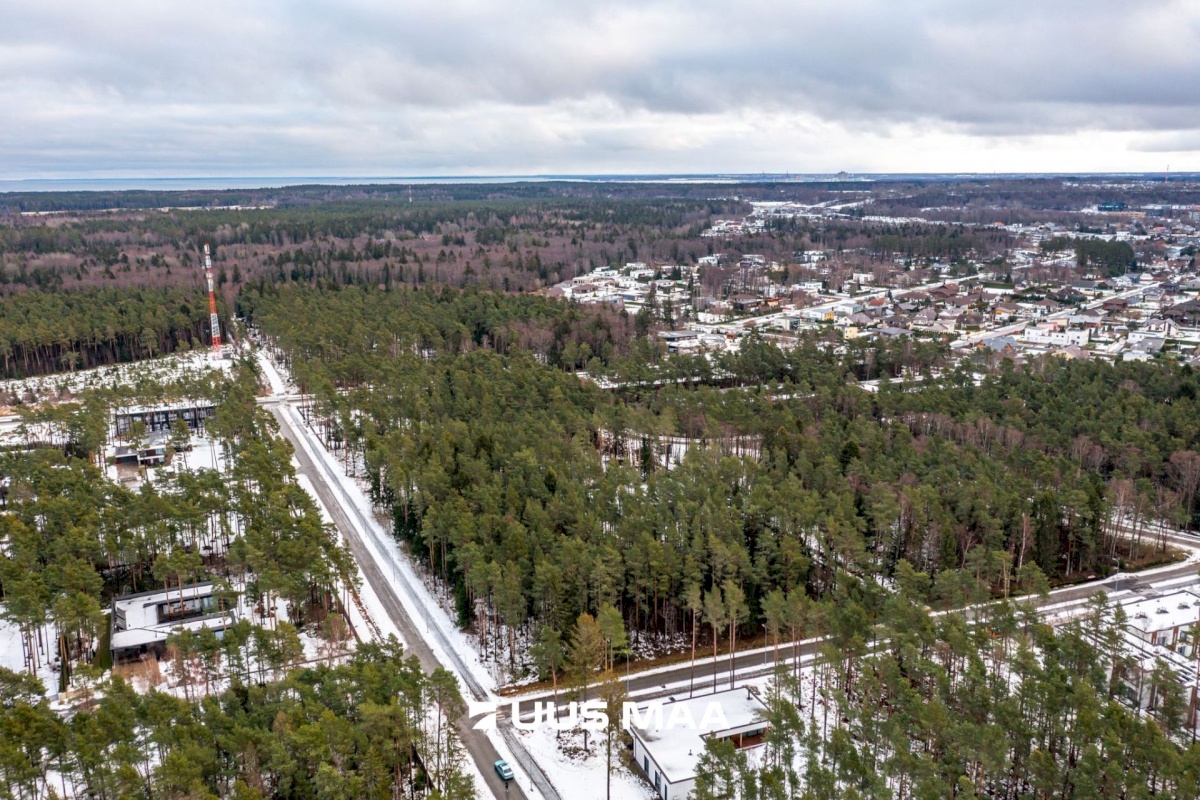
(470, 87)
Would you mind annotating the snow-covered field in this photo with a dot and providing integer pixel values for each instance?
(139, 373)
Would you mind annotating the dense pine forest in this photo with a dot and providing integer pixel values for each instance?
(537, 496)
(546, 463)
(47, 332)
(935, 708)
(375, 727)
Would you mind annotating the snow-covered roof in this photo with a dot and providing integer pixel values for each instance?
(675, 738)
(137, 637)
(1145, 655)
(1174, 610)
(136, 622)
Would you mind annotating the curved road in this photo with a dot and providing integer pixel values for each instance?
(673, 681)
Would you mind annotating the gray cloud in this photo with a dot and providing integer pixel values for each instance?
(460, 86)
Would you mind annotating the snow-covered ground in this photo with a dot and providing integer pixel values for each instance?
(188, 680)
(568, 765)
(449, 644)
(13, 654)
(158, 370)
(206, 453)
(274, 378)
(371, 622)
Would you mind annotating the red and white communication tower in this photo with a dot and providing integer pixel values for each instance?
(212, 303)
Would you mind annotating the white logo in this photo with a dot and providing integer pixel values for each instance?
(593, 716)
(486, 708)
(680, 716)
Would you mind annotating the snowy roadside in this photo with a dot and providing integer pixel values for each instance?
(377, 624)
(388, 556)
(408, 585)
(370, 622)
(161, 369)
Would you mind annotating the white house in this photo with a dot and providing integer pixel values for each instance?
(669, 738)
(1154, 329)
(1161, 629)
(1044, 333)
(1166, 621)
(142, 622)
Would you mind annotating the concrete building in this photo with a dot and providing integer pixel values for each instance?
(1161, 630)
(1044, 333)
(1166, 621)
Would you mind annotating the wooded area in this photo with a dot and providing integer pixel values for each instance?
(73, 538)
(759, 494)
(486, 453)
(934, 707)
(46, 332)
(375, 727)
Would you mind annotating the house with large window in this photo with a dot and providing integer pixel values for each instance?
(159, 418)
(142, 622)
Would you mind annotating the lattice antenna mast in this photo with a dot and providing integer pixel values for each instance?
(212, 303)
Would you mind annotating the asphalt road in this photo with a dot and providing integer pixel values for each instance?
(477, 744)
(746, 665)
(760, 662)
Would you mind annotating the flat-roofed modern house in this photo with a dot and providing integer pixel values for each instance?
(153, 453)
(1161, 629)
(1167, 621)
(159, 418)
(142, 622)
(669, 738)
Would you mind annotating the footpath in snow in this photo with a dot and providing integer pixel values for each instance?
(270, 373)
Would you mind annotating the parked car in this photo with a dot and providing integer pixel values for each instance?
(504, 770)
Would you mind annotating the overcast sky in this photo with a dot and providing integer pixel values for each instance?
(378, 87)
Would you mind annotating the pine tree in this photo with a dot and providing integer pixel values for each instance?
(584, 657)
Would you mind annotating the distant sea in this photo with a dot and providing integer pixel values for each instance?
(273, 181)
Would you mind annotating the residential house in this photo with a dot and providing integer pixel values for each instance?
(142, 622)
(669, 738)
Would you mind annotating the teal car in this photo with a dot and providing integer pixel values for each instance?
(503, 769)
